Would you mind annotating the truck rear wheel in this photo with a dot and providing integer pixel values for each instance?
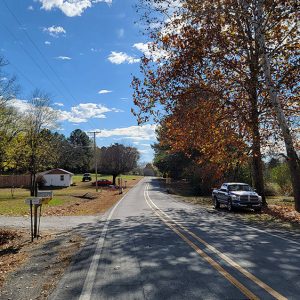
(216, 203)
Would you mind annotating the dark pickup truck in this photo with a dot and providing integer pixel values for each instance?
(235, 195)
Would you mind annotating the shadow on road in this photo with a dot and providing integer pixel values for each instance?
(143, 258)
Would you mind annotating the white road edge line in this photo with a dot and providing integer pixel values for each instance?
(273, 234)
(249, 275)
(267, 232)
(91, 275)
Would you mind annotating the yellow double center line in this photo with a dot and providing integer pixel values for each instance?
(172, 224)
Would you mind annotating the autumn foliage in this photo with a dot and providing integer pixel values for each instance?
(204, 80)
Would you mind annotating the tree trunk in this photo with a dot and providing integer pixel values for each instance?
(33, 185)
(114, 179)
(292, 157)
(257, 170)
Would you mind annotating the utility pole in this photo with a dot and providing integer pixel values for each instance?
(95, 155)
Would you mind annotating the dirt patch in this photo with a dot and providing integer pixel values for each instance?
(90, 203)
(93, 205)
(32, 270)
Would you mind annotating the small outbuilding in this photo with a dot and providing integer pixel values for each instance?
(57, 177)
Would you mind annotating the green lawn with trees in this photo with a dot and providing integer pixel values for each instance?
(29, 143)
(14, 205)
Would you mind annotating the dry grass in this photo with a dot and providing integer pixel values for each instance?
(280, 211)
(66, 201)
(15, 245)
(15, 249)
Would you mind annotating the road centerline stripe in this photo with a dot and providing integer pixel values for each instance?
(246, 273)
(204, 255)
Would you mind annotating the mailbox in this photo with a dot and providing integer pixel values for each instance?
(45, 194)
(36, 202)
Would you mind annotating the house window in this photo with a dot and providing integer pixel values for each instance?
(62, 177)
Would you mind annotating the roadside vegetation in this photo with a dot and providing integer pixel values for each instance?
(279, 213)
(68, 201)
(29, 142)
(220, 80)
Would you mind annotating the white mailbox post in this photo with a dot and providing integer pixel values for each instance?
(35, 215)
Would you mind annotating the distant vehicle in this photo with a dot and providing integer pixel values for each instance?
(235, 195)
(102, 182)
(86, 177)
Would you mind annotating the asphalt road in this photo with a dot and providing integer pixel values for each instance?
(150, 246)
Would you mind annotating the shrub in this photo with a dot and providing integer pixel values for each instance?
(272, 189)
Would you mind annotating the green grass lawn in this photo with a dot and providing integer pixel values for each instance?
(15, 206)
(78, 177)
(281, 200)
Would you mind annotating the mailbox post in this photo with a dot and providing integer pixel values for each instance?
(120, 183)
(35, 216)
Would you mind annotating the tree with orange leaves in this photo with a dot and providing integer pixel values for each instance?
(210, 51)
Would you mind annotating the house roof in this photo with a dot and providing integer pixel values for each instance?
(56, 172)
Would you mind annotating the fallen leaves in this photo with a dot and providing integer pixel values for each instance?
(285, 213)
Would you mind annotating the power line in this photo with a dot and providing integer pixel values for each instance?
(23, 74)
(43, 57)
(32, 58)
(39, 51)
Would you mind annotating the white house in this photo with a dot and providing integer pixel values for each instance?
(57, 177)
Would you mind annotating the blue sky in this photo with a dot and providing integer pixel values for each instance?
(83, 52)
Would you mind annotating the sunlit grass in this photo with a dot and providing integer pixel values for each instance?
(15, 206)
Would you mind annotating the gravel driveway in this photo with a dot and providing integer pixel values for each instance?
(59, 223)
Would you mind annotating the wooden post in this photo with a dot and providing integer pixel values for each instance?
(35, 220)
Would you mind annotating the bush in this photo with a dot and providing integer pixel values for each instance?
(272, 189)
(281, 176)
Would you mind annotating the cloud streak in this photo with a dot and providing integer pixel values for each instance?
(63, 57)
(55, 31)
(71, 8)
(104, 92)
(121, 58)
(85, 111)
(136, 133)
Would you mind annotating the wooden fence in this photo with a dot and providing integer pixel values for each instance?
(14, 181)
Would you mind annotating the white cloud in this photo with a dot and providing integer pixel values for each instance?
(63, 57)
(21, 105)
(85, 111)
(55, 31)
(104, 91)
(121, 57)
(121, 32)
(117, 110)
(136, 133)
(30, 7)
(150, 51)
(47, 43)
(78, 114)
(95, 50)
(70, 8)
